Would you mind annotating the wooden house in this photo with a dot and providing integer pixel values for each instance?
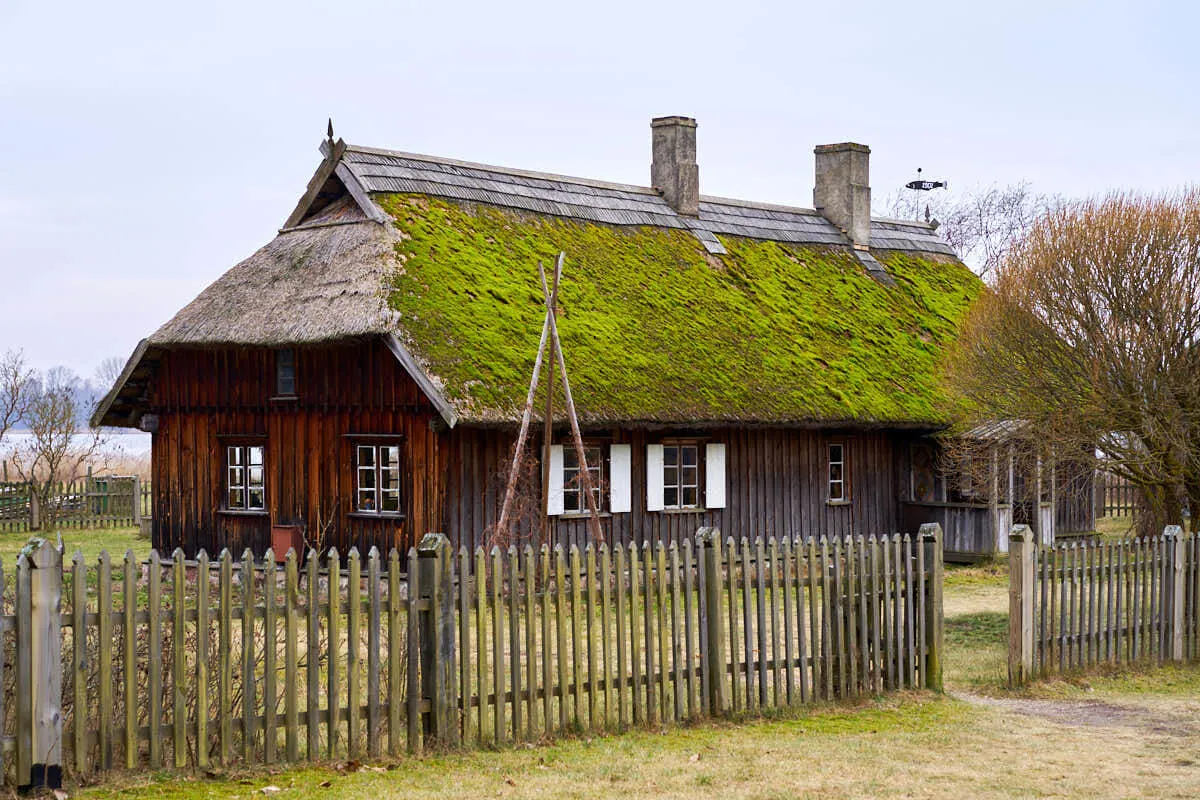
(762, 368)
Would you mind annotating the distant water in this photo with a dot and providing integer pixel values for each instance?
(118, 442)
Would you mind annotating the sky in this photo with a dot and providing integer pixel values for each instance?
(149, 147)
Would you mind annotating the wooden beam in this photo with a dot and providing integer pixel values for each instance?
(131, 366)
(333, 157)
(417, 373)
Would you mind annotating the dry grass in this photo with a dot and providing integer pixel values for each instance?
(1117, 734)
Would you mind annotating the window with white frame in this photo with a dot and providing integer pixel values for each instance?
(377, 478)
(245, 479)
(681, 476)
(574, 499)
(837, 473)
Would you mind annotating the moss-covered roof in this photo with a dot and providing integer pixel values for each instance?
(656, 329)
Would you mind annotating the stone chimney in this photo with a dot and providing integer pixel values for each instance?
(843, 189)
(674, 171)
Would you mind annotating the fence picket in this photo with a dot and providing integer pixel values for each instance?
(105, 637)
(748, 626)
(396, 631)
(498, 683)
(481, 649)
(79, 660)
(760, 607)
(179, 660)
(606, 654)
(689, 627)
(155, 701)
(291, 670)
(248, 681)
(531, 671)
(313, 654)
(373, 633)
(514, 642)
(592, 677)
(547, 643)
(660, 626)
(353, 653)
(270, 681)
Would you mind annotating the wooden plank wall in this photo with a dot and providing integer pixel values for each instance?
(202, 396)
(776, 486)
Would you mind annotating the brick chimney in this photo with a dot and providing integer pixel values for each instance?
(674, 171)
(843, 189)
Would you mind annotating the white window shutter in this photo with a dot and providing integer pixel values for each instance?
(620, 478)
(654, 477)
(554, 503)
(714, 476)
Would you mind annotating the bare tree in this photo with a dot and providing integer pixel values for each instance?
(54, 453)
(15, 380)
(1091, 338)
(981, 224)
(108, 372)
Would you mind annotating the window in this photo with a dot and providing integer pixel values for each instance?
(574, 500)
(285, 372)
(837, 473)
(244, 478)
(681, 476)
(377, 478)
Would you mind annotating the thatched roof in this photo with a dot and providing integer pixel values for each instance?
(748, 312)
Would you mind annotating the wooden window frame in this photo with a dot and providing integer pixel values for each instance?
(573, 487)
(679, 486)
(244, 446)
(842, 482)
(285, 358)
(376, 444)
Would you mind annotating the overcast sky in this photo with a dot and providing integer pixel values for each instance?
(148, 147)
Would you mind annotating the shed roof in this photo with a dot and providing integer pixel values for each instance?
(748, 312)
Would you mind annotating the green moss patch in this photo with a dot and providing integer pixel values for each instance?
(656, 329)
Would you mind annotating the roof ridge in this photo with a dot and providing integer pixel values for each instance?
(524, 173)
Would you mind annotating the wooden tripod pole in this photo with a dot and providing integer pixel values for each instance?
(548, 432)
(584, 474)
(509, 490)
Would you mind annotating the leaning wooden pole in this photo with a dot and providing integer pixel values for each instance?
(548, 434)
(511, 488)
(584, 474)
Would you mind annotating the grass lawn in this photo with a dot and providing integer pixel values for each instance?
(1130, 734)
(90, 542)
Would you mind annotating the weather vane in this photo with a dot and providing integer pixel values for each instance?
(922, 185)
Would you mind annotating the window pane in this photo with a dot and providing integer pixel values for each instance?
(670, 454)
(671, 497)
(670, 476)
(389, 457)
(366, 478)
(689, 497)
(835, 452)
(835, 490)
(256, 477)
(690, 476)
(689, 454)
(236, 477)
(366, 500)
(256, 499)
(570, 459)
(571, 499)
(233, 455)
(255, 455)
(366, 456)
(391, 501)
(835, 472)
(237, 497)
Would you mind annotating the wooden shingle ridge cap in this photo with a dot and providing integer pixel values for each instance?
(520, 173)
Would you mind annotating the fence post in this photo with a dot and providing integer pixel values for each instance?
(437, 639)
(1020, 604)
(1173, 590)
(712, 643)
(35, 509)
(45, 627)
(137, 502)
(931, 540)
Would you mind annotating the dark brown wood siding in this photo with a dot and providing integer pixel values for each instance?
(775, 484)
(202, 397)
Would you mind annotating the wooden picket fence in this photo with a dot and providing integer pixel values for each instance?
(1088, 602)
(1116, 496)
(188, 664)
(93, 501)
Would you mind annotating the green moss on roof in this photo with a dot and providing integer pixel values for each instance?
(656, 329)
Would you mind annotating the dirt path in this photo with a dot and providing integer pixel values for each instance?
(1093, 714)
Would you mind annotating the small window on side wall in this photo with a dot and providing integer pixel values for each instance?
(377, 479)
(574, 498)
(837, 473)
(245, 479)
(285, 372)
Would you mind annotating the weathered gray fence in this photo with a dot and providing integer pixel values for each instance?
(94, 501)
(189, 664)
(1115, 495)
(1090, 602)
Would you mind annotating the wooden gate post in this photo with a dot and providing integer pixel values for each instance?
(1173, 591)
(712, 643)
(1022, 544)
(35, 509)
(45, 659)
(137, 503)
(931, 540)
(438, 660)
